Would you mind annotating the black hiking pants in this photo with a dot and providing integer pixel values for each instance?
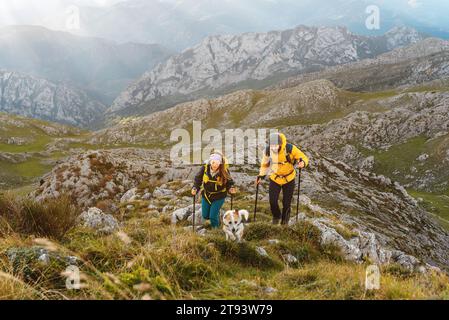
(287, 193)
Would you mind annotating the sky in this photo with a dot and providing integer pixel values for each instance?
(237, 14)
(35, 11)
(41, 12)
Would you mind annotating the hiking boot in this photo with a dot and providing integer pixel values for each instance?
(285, 217)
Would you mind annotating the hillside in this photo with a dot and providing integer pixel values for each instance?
(245, 108)
(138, 244)
(29, 148)
(418, 63)
(401, 133)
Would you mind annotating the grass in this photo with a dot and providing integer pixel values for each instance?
(31, 168)
(436, 203)
(161, 261)
(38, 144)
(397, 162)
(31, 130)
(22, 175)
(398, 157)
(51, 218)
(375, 95)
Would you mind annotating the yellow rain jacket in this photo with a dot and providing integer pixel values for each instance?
(282, 171)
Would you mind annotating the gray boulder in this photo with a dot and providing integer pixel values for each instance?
(186, 214)
(95, 219)
(130, 195)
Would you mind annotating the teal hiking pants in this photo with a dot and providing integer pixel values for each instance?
(212, 211)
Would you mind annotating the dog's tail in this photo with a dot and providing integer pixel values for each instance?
(245, 214)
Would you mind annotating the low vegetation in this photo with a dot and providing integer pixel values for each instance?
(151, 259)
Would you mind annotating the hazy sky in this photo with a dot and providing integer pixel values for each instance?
(42, 11)
(235, 15)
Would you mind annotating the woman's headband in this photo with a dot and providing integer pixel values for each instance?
(216, 157)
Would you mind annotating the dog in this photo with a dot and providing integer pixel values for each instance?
(233, 224)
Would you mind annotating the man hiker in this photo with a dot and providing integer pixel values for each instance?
(215, 182)
(282, 158)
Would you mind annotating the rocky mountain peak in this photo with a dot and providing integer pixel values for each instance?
(222, 62)
(35, 97)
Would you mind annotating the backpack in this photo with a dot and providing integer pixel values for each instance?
(288, 151)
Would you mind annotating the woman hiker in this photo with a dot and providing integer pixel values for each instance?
(215, 182)
(281, 157)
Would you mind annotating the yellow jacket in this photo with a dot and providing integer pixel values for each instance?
(282, 171)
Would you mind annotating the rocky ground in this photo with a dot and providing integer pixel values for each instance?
(362, 200)
(130, 233)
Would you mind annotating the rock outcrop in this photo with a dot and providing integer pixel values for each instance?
(107, 174)
(35, 97)
(95, 219)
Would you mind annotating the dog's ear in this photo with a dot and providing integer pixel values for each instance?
(226, 215)
(245, 214)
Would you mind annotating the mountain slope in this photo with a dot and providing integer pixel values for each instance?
(222, 63)
(421, 62)
(99, 66)
(402, 132)
(365, 201)
(35, 97)
(29, 148)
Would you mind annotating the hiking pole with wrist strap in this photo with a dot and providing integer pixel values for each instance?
(194, 214)
(299, 188)
(255, 205)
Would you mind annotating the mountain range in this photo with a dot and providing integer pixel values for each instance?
(39, 98)
(100, 70)
(221, 64)
(100, 67)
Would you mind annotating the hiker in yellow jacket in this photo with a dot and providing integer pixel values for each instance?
(282, 158)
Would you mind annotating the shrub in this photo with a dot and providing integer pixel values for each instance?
(245, 253)
(302, 232)
(297, 278)
(304, 253)
(52, 218)
(27, 265)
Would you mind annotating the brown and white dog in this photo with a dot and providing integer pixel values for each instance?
(233, 224)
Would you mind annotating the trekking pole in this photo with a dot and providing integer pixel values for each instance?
(232, 201)
(255, 205)
(193, 217)
(299, 188)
